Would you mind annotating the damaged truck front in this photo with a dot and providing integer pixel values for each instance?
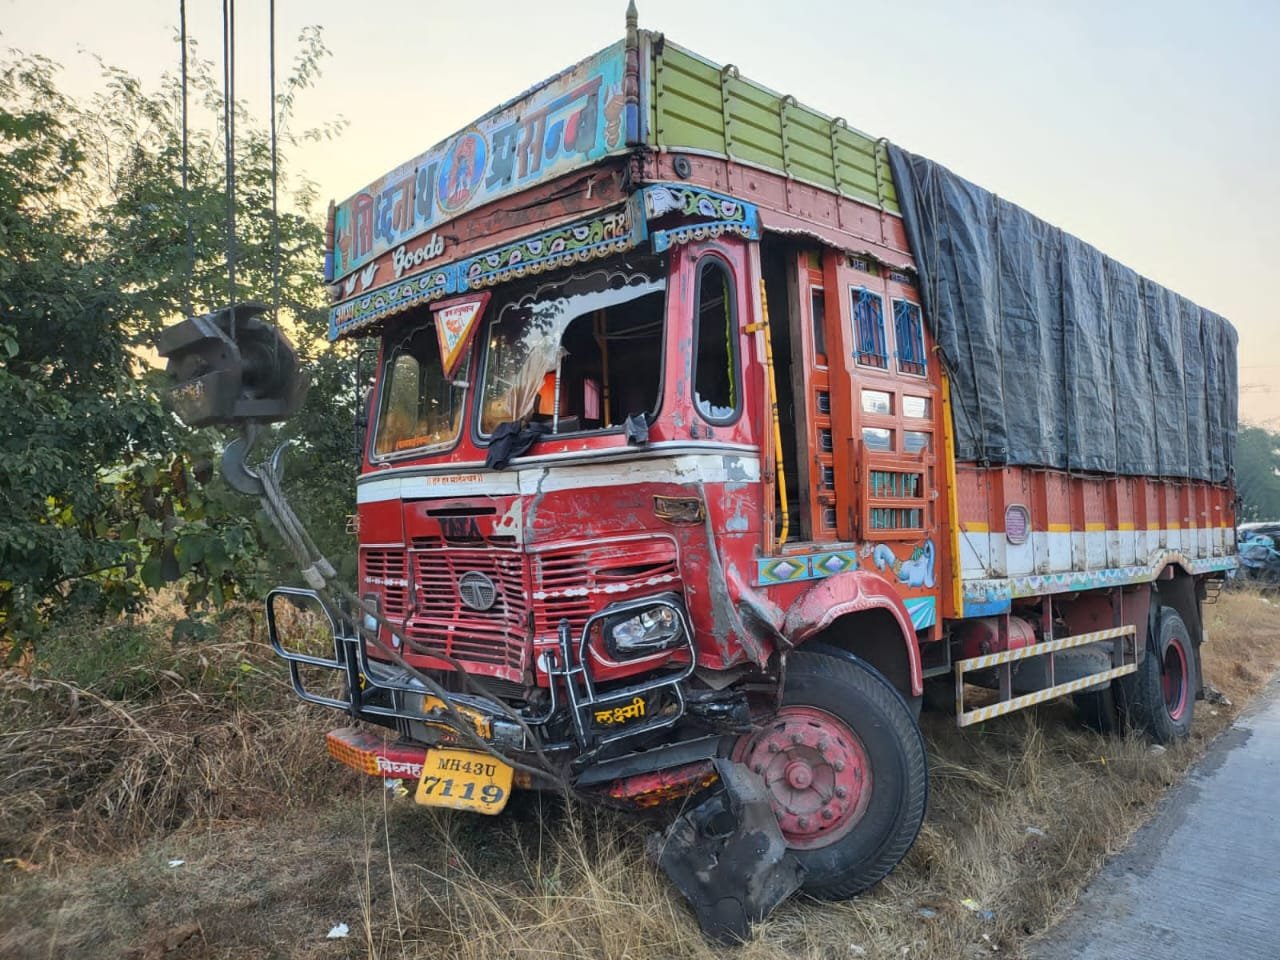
(622, 535)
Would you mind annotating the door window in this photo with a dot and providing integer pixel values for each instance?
(868, 329)
(715, 378)
(908, 329)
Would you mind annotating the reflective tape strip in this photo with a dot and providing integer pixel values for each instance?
(1036, 649)
(1030, 699)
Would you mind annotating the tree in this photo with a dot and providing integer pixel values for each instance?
(1258, 473)
(67, 402)
(105, 495)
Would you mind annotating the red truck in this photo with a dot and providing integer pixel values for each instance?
(708, 428)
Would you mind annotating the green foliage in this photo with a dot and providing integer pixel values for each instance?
(104, 496)
(1258, 473)
(67, 401)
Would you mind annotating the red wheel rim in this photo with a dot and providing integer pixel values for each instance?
(816, 771)
(1174, 679)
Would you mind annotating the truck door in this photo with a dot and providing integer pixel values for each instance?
(811, 385)
(884, 397)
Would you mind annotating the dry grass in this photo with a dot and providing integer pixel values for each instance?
(196, 732)
(104, 793)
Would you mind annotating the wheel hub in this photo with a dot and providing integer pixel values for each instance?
(799, 775)
(1174, 679)
(816, 771)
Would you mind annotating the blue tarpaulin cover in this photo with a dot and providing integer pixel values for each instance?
(1058, 355)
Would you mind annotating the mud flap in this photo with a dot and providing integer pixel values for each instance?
(728, 857)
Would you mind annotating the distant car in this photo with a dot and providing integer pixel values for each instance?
(1266, 528)
(1259, 559)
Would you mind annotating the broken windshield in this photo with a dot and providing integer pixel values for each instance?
(581, 353)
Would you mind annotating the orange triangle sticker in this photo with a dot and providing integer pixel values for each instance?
(456, 322)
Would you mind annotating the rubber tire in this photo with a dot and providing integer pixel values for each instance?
(1098, 711)
(873, 709)
(1143, 692)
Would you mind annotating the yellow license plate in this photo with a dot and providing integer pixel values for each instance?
(464, 780)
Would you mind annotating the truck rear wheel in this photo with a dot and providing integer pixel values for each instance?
(844, 763)
(1160, 697)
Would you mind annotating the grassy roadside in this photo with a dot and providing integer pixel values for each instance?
(203, 756)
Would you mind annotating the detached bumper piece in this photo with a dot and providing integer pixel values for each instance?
(728, 857)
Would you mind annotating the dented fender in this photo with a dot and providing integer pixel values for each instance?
(855, 592)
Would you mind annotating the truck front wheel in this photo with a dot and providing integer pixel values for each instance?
(844, 764)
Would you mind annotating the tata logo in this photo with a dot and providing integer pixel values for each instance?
(460, 528)
(477, 590)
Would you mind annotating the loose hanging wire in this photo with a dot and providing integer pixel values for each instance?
(229, 134)
(186, 186)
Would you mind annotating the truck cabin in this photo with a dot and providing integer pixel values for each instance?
(627, 400)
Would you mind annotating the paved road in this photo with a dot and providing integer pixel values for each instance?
(1202, 879)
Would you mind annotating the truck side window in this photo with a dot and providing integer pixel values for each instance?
(908, 328)
(818, 309)
(715, 377)
(868, 328)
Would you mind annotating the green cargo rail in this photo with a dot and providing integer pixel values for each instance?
(697, 106)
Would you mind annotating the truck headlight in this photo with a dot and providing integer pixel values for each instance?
(638, 633)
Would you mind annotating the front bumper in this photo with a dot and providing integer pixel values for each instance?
(383, 693)
(369, 753)
(392, 696)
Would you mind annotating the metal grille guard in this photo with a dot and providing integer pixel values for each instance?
(403, 694)
(580, 705)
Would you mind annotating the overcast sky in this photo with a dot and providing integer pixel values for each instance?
(1150, 129)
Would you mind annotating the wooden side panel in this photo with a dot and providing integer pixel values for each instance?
(835, 271)
(1025, 531)
(812, 381)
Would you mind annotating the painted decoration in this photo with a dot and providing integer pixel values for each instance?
(601, 235)
(598, 236)
(363, 310)
(455, 326)
(915, 571)
(810, 566)
(687, 213)
(569, 121)
(922, 610)
(706, 215)
(984, 598)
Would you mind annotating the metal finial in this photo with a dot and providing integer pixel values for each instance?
(633, 18)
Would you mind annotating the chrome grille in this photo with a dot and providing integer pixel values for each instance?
(576, 583)
(441, 622)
